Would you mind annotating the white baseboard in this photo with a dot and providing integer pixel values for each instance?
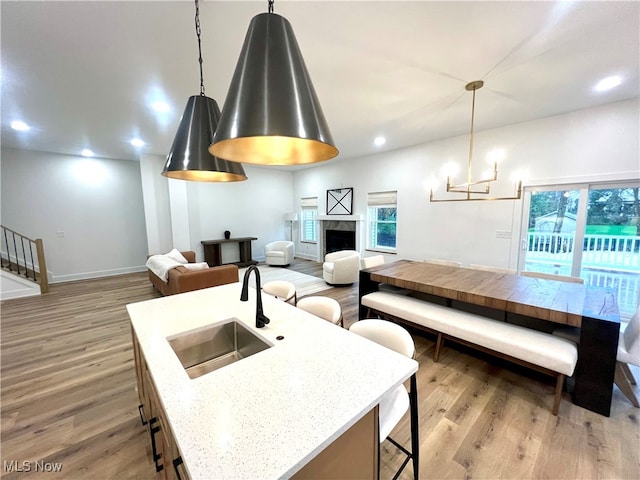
(98, 274)
(307, 256)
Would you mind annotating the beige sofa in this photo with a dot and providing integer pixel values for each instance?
(182, 280)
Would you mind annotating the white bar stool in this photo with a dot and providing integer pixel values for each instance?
(393, 406)
(323, 307)
(282, 290)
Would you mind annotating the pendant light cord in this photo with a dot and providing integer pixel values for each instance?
(270, 10)
(199, 47)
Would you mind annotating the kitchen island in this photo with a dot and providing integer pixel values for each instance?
(269, 415)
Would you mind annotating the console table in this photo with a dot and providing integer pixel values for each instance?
(213, 251)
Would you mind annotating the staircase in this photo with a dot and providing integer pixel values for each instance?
(22, 261)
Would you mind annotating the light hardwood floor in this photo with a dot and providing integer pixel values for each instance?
(68, 397)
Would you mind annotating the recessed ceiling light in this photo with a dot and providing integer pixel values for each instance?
(86, 153)
(379, 141)
(137, 142)
(160, 107)
(20, 126)
(608, 83)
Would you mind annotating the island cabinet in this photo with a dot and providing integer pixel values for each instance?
(352, 455)
(164, 452)
(305, 406)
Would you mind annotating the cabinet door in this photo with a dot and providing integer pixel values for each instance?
(352, 455)
(170, 454)
(155, 427)
(138, 360)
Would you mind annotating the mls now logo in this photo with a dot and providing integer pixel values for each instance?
(28, 466)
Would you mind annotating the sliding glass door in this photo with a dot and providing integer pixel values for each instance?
(548, 244)
(587, 231)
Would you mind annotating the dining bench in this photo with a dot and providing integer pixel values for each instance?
(543, 352)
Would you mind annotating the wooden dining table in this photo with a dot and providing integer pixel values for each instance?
(514, 298)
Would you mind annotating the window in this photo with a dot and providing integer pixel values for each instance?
(382, 219)
(590, 231)
(308, 223)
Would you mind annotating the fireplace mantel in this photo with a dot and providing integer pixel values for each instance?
(349, 223)
(343, 218)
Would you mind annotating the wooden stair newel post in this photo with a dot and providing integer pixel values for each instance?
(42, 265)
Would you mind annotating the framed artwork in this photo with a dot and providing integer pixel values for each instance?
(340, 201)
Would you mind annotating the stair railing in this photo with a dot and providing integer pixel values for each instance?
(17, 257)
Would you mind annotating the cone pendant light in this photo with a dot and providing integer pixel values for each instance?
(189, 157)
(271, 115)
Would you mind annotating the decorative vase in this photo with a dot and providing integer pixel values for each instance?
(227, 234)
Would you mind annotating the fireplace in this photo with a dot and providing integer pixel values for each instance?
(336, 240)
(339, 232)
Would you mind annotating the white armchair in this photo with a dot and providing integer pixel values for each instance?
(341, 268)
(279, 253)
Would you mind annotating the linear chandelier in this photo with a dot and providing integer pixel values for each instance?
(189, 157)
(467, 188)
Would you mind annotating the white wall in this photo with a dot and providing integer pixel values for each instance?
(89, 212)
(157, 212)
(197, 211)
(598, 143)
(99, 205)
(253, 208)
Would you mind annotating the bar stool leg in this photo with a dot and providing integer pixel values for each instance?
(415, 431)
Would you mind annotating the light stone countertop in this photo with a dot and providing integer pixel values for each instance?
(269, 414)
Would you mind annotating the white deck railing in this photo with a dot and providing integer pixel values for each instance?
(611, 261)
(611, 252)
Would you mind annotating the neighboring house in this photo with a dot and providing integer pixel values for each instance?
(546, 223)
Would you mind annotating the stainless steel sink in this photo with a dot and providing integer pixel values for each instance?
(207, 349)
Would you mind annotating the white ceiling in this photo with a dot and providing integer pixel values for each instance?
(83, 73)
